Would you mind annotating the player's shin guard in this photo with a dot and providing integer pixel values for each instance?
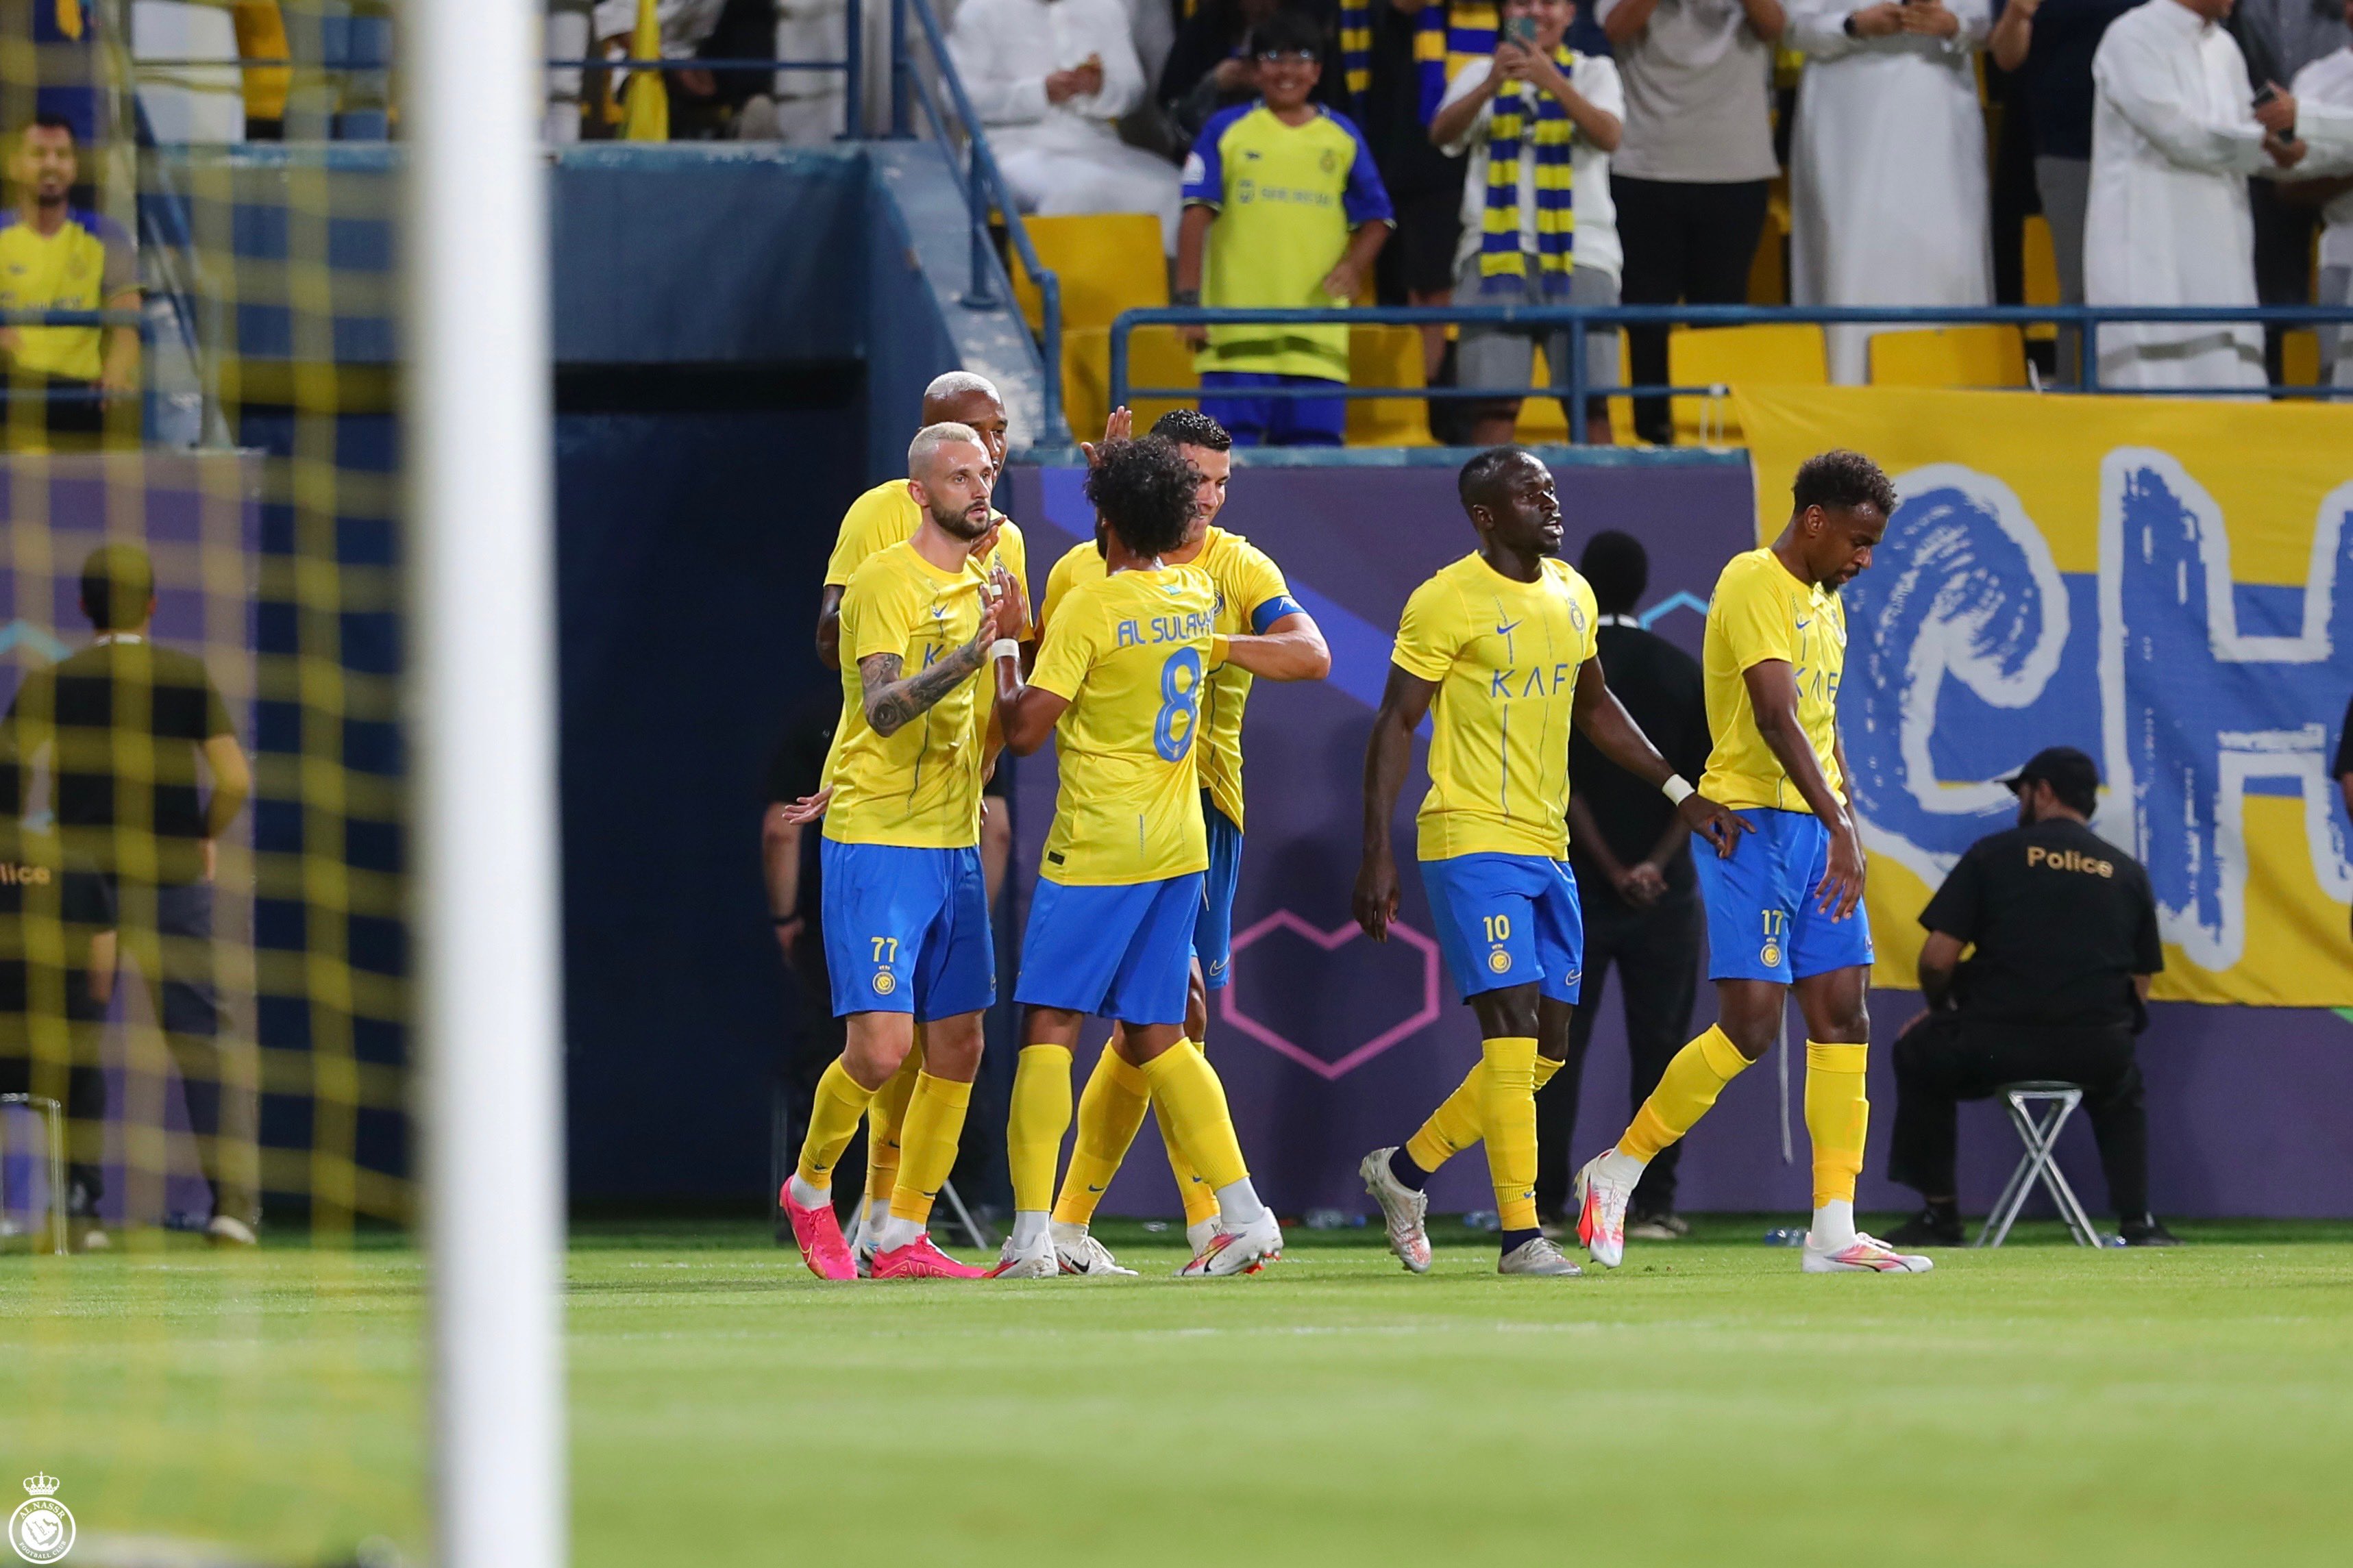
(833, 1116)
(884, 1117)
(1034, 1125)
(1111, 1112)
(1191, 1103)
(1200, 1198)
(1507, 1115)
(1687, 1091)
(1838, 1115)
(933, 1125)
(1459, 1122)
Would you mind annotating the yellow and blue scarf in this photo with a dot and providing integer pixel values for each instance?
(1529, 121)
(1446, 37)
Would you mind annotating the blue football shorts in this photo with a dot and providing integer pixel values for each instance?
(1122, 953)
(1762, 919)
(1213, 932)
(1507, 920)
(906, 931)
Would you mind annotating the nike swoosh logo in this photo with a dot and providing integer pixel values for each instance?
(1508, 629)
(1803, 625)
(1092, 1188)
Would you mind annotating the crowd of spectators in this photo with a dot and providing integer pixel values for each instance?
(1524, 151)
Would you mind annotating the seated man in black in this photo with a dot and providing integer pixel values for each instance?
(2065, 931)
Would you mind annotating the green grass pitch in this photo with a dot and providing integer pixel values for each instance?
(1705, 1404)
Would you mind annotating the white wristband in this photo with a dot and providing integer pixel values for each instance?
(1677, 790)
(1005, 648)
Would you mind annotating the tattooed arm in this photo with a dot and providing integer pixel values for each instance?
(891, 703)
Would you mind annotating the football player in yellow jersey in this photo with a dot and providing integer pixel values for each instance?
(1252, 598)
(1785, 914)
(906, 912)
(884, 516)
(1119, 685)
(1498, 649)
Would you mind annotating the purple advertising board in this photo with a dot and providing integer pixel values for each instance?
(1330, 1045)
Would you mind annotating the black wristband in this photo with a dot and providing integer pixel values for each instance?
(1189, 298)
(784, 920)
(1847, 27)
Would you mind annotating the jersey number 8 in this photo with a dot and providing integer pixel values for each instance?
(1180, 705)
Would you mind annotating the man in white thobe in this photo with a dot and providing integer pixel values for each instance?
(1048, 79)
(1887, 169)
(2174, 137)
(2324, 97)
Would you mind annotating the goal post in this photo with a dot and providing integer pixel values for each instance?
(482, 715)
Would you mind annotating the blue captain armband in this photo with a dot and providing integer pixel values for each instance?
(1273, 610)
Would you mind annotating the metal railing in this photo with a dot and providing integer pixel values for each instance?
(14, 385)
(985, 189)
(1576, 320)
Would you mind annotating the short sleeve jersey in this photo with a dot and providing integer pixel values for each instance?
(1505, 655)
(1762, 613)
(1286, 197)
(1128, 653)
(87, 261)
(2062, 920)
(126, 719)
(1251, 596)
(920, 787)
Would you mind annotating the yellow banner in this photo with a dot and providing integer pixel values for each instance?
(2166, 584)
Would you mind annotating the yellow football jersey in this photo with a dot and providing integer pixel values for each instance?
(1760, 612)
(920, 787)
(887, 515)
(1251, 596)
(1129, 652)
(1506, 657)
(87, 262)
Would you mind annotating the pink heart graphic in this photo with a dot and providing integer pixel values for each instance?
(1283, 919)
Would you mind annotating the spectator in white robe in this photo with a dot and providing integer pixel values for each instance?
(1049, 77)
(1887, 169)
(2175, 133)
(2323, 91)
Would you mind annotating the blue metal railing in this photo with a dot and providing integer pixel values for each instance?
(985, 189)
(1577, 319)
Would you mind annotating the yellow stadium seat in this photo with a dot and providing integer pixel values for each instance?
(1106, 263)
(2300, 357)
(1769, 270)
(1387, 356)
(2042, 268)
(1786, 355)
(1950, 356)
(1155, 357)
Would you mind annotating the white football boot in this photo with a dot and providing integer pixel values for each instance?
(1601, 1198)
(1537, 1256)
(1076, 1252)
(1404, 1212)
(1863, 1254)
(1243, 1251)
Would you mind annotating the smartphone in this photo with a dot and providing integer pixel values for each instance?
(1521, 30)
(2265, 94)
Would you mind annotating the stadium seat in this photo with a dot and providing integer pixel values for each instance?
(2300, 357)
(1156, 357)
(1768, 270)
(2042, 270)
(2039, 1108)
(1106, 263)
(1786, 355)
(1950, 356)
(189, 103)
(1387, 356)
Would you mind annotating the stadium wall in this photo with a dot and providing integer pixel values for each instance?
(1342, 1046)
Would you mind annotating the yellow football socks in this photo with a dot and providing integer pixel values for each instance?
(933, 1125)
(1111, 1110)
(1191, 1103)
(1035, 1122)
(1458, 1121)
(1686, 1090)
(1200, 1198)
(1838, 1115)
(832, 1119)
(884, 1117)
(1507, 1115)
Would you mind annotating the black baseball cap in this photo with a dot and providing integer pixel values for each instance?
(2074, 777)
